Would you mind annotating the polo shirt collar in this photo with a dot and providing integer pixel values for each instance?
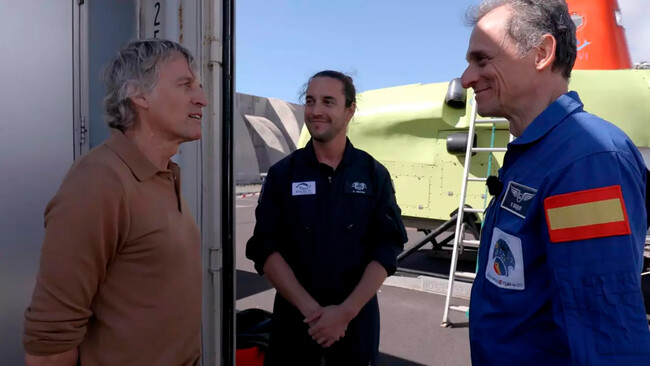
(139, 164)
(347, 153)
(555, 113)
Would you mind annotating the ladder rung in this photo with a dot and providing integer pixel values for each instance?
(461, 308)
(472, 242)
(489, 149)
(491, 120)
(472, 179)
(474, 210)
(466, 275)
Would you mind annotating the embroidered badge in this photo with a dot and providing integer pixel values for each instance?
(518, 198)
(358, 187)
(593, 213)
(505, 266)
(303, 188)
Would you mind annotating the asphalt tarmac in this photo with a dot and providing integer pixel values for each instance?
(411, 334)
(411, 305)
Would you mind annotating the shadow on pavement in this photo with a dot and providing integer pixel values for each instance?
(249, 284)
(432, 263)
(427, 260)
(388, 360)
(459, 325)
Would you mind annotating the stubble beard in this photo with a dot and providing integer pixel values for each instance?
(320, 136)
(328, 134)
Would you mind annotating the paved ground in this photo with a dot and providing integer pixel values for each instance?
(411, 306)
(411, 334)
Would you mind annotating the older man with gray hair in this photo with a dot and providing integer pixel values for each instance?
(561, 248)
(120, 272)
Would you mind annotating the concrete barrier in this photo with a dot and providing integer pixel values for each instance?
(265, 131)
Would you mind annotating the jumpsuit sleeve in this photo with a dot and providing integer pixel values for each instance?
(647, 195)
(388, 231)
(594, 231)
(84, 224)
(268, 223)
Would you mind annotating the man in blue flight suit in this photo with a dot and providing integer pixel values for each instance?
(328, 233)
(571, 211)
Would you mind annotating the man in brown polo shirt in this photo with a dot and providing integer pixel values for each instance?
(120, 272)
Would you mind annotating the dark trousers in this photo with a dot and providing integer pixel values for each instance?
(290, 344)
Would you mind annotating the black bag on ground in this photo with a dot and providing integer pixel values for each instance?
(252, 328)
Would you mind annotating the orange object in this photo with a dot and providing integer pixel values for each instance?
(249, 357)
(593, 213)
(601, 37)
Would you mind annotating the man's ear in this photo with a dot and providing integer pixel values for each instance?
(349, 111)
(545, 52)
(138, 98)
(140, 101)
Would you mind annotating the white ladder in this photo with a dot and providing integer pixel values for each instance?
(459, 241)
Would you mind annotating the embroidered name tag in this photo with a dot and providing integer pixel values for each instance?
(358, 188)
(354, 186)
(303, 188)
(505, 267)
(518, 198)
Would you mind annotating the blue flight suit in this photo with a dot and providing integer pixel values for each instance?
(328, 225)
(555, 287)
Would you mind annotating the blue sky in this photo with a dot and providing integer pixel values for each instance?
(380, 43)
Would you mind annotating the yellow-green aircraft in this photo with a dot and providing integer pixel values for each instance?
(419, 131)
(408, 128)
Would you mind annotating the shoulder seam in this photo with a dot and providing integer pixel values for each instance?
(586, 156)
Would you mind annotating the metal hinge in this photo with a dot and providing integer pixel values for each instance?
(82, 131)
(216, 52)
(81, 2)
(216, 263)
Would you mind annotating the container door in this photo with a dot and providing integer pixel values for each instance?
(39, 116)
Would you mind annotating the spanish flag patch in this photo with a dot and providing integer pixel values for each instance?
(594, 213)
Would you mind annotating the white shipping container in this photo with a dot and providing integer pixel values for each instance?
(50, 102)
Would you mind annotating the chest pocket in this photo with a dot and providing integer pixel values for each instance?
(358, 196)
(302, 216)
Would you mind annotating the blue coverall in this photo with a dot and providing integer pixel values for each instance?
(561, 248)
(328, 225)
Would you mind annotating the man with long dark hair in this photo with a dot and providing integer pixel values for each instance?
(328, 233)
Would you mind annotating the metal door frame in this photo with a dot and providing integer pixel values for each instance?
(80, 82)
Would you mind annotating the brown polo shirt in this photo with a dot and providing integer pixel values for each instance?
(120, 270)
